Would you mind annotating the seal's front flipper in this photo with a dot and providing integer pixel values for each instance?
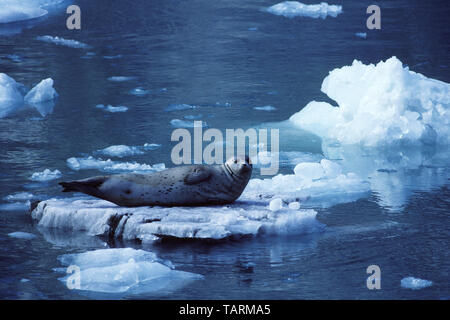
(197, 175)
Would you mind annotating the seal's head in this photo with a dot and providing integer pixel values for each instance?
(239, 167)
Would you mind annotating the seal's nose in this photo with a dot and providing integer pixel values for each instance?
(247, 160)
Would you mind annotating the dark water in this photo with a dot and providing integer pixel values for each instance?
(206, 52)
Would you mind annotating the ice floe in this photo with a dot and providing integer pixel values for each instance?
(46, 175)
(63, 42)
(120, 78)
(177, 107)
(125, 270)
(112, 109)
(415, 283)
(121, 151)
(99, 217)
(22, 235)
(380, 104)
(265, 108)
(12, 99)
(292, 9)
(111, 166)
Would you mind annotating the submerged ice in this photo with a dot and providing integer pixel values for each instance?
(125, 270)
(378, 105)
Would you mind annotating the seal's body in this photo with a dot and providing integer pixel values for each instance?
(179, 186)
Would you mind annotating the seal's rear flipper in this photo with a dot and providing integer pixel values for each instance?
(68, 186)
(85, 186)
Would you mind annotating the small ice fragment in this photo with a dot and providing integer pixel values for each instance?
(177, 107)
(19, 196)
(123, 150)
(177, 123)
(361, 35)
(275, 205)
(24, 280)
(46, 175)
(291, 9)
(120, 78)
(309, 170)
(415, 283)
(63, 42)
(22, 235)
(265, 108)
(294, 205)
(139, 91)
(112, 109)
(118, 56)
(193, 117)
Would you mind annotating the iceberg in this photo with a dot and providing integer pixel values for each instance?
(111, 166)
(125, 270)
(378, 105)
(12, 99)
(63, 42)
(292, 9)
(121, 151)
(415, 283)
(147, 224)
(46, 175)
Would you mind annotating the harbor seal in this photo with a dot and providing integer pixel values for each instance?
(179, 186)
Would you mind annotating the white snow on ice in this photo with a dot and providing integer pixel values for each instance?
(415, 283)
(292, 9)
(111, 166)
(380, 104)
(63, 42)
(46, 175)
(121, 151)
(125, 270)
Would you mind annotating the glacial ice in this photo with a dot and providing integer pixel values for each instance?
(121, 151)
(41, 97)
(99, 217)
(415, 283)
(125, 270)
(63, 42)
(22, 235)
(382, 104)
(292, 9)
(111, 166)
(112, 109)
(46, 175)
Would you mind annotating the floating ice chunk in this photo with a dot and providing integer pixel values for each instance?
(121, 151)
(99, 217)
(125, 270)
(63, 42)
(19, 196)
(361, 35)
(177, 123)
(112, 109)
(275, 205)
(193, 117)
(139, 91)
(11, 95)
(415, 283)
(13, 11)
(265, 108)
(120, 78)
(24, 280)
(15, 206)
(381, 104)
(46, 175)
(294, 205)
(177, 107)
(42, 92)
(292, 9)
(111, 166)
(22, 235)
